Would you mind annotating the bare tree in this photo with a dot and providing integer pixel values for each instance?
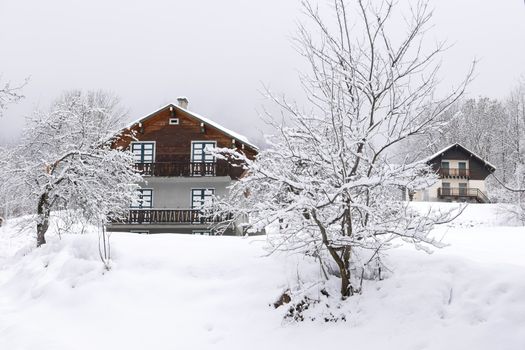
(65, 161)
(327, 184)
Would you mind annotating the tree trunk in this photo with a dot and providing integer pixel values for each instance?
(345, 282)
(43, 212)
(343, 261)
(346, 289)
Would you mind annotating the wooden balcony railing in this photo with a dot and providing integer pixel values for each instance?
(454, 172)
(169, 216)
(172, 169)
(460, 192)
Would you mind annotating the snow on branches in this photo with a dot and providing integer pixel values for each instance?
(327, 185)
(65, 161)
(10, 94)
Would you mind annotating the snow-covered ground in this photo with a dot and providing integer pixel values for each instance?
(194, 292)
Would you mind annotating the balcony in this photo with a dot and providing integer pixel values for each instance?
(454, 173)
(168, 216)
(460, 193)
(189, 169)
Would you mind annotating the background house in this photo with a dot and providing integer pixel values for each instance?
(171, 149)
(462, 176)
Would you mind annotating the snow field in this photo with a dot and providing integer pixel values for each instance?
(195, 292)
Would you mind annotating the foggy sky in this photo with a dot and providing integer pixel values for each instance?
(217, 53)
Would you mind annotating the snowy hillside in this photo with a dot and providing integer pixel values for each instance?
(194, 292)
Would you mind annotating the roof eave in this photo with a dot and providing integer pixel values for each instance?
(194, 115)
(440, 153)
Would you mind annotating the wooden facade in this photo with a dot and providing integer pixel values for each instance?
(173, 142)
(170, 148)
(478, 168)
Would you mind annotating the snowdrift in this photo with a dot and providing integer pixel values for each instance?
(193, 292)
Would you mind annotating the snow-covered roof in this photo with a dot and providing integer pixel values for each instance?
(437, 154)
(202, 119)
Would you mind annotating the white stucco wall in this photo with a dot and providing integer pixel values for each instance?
(175, 192)
(431, 193)
(479, 184)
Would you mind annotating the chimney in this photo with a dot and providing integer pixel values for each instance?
(183, 102)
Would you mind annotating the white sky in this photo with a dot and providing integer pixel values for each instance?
(217, 53)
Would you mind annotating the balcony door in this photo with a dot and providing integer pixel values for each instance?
(445, 168)
(446, 189)
(462, 168)
(463, 191)
(143, 152)
(144, 200)
(201, 197)
(200, 151)
(202, 160)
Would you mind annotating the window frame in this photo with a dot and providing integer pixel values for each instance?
(463, 189)
(462, 171)
(140, 232)
(203, 232)
(142, 160)
(192, 201)
(445, 170)
(204, 160)
(446, 188)
(140, 206)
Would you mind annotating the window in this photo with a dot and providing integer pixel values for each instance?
(201, 197)
(145, 199)
(203, 161)
(200, 151)
(446, 188)
(445, 168)
(463, 189)
(143, 152)
(141, 232)
(201, 232)
(174, 121)
(462, 168)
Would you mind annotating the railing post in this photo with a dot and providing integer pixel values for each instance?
(215, 168)
(152, 216)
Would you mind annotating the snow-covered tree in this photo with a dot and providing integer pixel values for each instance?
(65, 162)
(327, 184)
(513, 140)
(9, 94)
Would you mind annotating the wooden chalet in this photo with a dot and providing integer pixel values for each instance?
(462, 175)
(171, 150)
